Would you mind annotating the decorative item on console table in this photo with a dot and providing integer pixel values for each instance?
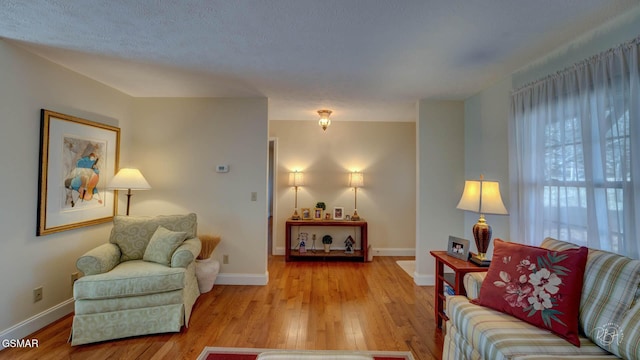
(327, 240)
(348, 244)
(338, 213)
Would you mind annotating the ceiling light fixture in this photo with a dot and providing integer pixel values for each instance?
(324, 121)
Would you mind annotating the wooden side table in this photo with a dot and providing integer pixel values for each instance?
(455, 279)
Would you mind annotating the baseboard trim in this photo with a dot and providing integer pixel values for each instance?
(37, 322)
(424, 280)
(242, 279)
(376, 251)
(393, 251)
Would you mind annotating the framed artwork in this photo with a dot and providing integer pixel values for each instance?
(458, 248)
(306, 214)
(77, 159)
(338, 213)
(317, 214)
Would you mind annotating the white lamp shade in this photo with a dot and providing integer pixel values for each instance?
(482, 197)
(128, 179)
(296, 179)
(356, 179)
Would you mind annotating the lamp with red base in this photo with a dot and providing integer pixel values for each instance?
(483, 197)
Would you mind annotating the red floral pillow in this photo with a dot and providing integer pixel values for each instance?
(536, 285)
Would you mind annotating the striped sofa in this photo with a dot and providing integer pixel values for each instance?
(609, 318)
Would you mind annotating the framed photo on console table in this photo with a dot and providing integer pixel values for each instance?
(77, 159)
(458, 248)
(338, 213)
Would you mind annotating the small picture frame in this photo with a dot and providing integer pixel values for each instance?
(306, 214)
(458, 248)
(317, 214)
(338, 213)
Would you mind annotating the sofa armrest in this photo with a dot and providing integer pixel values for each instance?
(99, 260)
(186, 253)
(472, 283)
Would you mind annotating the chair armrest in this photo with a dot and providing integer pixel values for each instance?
(186, 253)
(472, 283)
(99, 260)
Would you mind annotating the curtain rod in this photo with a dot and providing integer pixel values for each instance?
(579, 64)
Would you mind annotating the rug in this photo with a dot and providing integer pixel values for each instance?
(409, 266)
(219, 353)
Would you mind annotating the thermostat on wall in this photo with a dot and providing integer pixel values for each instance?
(222, 168)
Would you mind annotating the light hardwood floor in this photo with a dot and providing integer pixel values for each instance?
(306, 305)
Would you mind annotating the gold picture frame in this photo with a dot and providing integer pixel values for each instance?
(318, 214)
(77, 159)
(306, 214)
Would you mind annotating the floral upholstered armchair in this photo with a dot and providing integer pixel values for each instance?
(141, 282)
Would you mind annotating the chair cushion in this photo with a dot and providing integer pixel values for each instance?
(131, 278)
(610, 288)
(162, 245)
(537, 285)
(97, 306)
(133, 233)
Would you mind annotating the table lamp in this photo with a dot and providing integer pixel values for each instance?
(296, 179)
(356, 180)
(483, 197)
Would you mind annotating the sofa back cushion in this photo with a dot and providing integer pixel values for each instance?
(133, 233)
(610, 285)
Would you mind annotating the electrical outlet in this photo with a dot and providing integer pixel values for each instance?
(37, 294)
(225, 259)
(254, 196)
(74, 276)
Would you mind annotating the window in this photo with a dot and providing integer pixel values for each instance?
(576, 168)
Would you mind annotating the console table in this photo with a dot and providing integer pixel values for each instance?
(455, 280)
(294, 254)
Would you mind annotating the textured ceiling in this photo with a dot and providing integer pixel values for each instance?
(364, 59)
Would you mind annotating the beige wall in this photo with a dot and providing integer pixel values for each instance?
(27, 84)
(383, 151)
(440, 166)
(487, 152)
(177, 145)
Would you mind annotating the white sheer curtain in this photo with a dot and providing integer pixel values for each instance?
(575, 154)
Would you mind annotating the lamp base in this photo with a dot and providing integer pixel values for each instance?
(355, 216)
(295, 215)
(480, 261)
